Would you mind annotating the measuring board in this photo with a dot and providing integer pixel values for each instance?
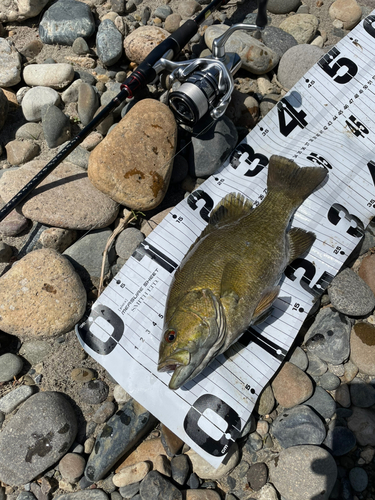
(327, 119)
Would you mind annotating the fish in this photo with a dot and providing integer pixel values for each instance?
(229, 278)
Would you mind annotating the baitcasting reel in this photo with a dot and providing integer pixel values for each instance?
(206, 82)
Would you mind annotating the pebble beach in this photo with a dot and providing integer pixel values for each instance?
(68, 431)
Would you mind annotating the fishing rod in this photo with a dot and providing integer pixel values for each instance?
(187, 104)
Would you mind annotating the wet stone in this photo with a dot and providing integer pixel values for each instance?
(10, 366)
(340, 440)
(180, 468)
(34, 439)
(322, 403)
(121, 432)
(361, 394)
(350, 295)
(297, 426)
(155, 486)
(94, 392)
(257, 476)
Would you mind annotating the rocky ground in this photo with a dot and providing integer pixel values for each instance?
(67, 428)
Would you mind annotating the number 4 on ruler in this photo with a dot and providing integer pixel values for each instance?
(295, 118)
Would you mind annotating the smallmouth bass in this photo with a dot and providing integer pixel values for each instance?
(230, 277)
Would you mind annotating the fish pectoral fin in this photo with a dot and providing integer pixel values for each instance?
(300, 242)
(263, 307)
(231, 208)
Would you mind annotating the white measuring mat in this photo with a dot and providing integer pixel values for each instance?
(327, 119)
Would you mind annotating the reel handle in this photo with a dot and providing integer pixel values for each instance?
(261, 19)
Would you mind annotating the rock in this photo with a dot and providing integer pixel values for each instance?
(299, 358)
(78, 157)
(243, 110)
(323, 404)
(316, 366)
(147, 226)
(195, 494)
(4, 107)
(141, 41)
(30, 131)
(362, 423)
(6, 252)
(346, 11)
(297, 426)
(131, 474)
(180, 469)
(302, 27)
(278, 40)
(86, 254)
(121, 433)
(80, 47)
(35, 99)
(163, 465)
(104, 412)
(56, 126)
(155, 486)
(358, 479)
(55, 76)
(329, 336)
(267, 103)
(108, 43)
(291, 386)
(105, 124)
(163, 12)
(19, 152)
(44, 288)
(255, 56)
(36, 437)
(82, 374)
(362, 394)
(206, 471)
(340, 440)
(366, 271)
(88, 103)
(71, 467)
(180, 169)
(94, 392)
(65, 21)
(257, 476)
(283, 6)
(13, 224)
(120, 395)
(13, 399)
(10, 366)
(20, 10)
(188, 8)
(210, 149)
(362, 347)
(148, 450)
(35, 351)
(32, 49)
(10, 64)
(128, 491)
(296, 62)
(91, 141)
(350, 295)
(329, 381)
(139, 169)
(57, 238)
(66, 198)
(268, 492)
(172, 22)
(342, 396)
(89, 494)
(305, 471)
(266, 401)
(350, 371)
(172, 443)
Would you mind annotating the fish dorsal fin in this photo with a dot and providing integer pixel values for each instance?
(232, 207)
(267, 299)
(299, 241)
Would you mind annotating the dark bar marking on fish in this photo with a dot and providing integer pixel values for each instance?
(252, 335)
(327, 59)
(367, 24)
(210, 445)
(91, 340)
(156, 255)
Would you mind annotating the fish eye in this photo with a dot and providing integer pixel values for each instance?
(170, 336)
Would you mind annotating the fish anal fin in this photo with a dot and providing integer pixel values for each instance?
(267, 299)
(300, 241)
(231, 208)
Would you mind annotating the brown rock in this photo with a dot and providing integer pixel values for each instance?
(346, 11)
(57, 238)
(172, 22)
(131, 474)
(19, 152)
(171, 442)
(142, 41)
(12, 99)
(362, 347)
(362, 423)
(41, 295)
(148, 450)
(206, 471)
(66, 198)
(367, 271)
(13, 224)
(133, 164)
(163, 465)
(72, 466)
(291, 386)
(201, 495)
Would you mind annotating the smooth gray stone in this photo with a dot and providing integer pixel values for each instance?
(282, 6)
(127, 241)
(278, 40)
(296, 62)
(130, 490)
(36, 437)
(180, 468)
(26, 495)
(329, 381)
(14, 398)
(157, 487)
(122, 431)
(88, 103)
(163, 12)
(340, 440)
(329, 336)
(95, 494)
(299, 359)
(358, 479)
(94, 392)
(322, 403)
(298, 425)
(361, 394)
(65, 21)
(79, 156)
(10, 366)
(56, 126)
(80, 46)
(316, 366)
(350, 295)
(108, 43)
(254, 442)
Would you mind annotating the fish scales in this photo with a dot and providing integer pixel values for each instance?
(229, 278)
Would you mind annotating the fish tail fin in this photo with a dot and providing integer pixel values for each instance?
(297, 183)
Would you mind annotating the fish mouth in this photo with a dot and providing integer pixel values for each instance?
(180, 358)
